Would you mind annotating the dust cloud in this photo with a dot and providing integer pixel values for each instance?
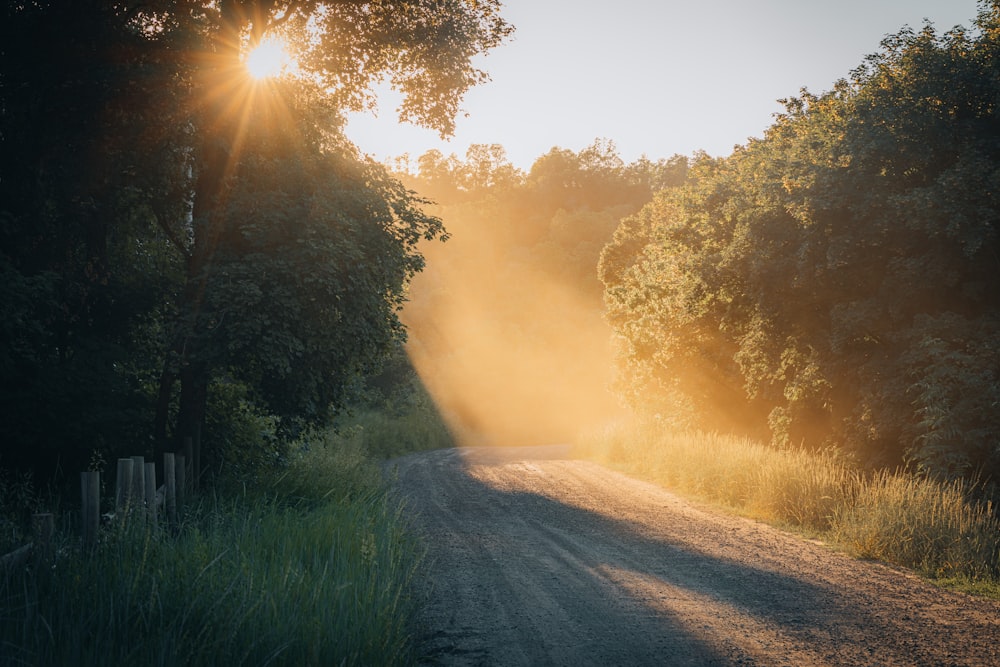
(512, 347)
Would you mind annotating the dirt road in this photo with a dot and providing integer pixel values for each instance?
(540, 560)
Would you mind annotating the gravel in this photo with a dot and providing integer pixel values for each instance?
(538, 559)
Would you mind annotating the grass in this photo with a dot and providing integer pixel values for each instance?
(936, 528)
(929, 526)
(312, 566)
(412, 427)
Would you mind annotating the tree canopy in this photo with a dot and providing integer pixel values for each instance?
(168, 224)
(834, 283)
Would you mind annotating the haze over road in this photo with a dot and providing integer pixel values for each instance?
(535, 559)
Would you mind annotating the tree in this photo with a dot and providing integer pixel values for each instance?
(426, 47)
(834, 282)
(135, 137)
(518, 352)
(307, 281)
(86, 166)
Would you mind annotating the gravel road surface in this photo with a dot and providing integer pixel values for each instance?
(537, 559)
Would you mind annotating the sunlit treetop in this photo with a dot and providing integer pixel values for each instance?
(424, 49)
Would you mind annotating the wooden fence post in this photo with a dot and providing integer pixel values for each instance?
(138, 481)
(180, 470)
(90, 492)
(123, 488)
(150, 492)
(170, 488)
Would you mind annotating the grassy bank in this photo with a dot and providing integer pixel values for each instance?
(310, 565)
(935, 528)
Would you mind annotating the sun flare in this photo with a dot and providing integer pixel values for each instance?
(268, 59)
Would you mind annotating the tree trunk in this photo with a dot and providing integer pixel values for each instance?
(191, 418)
(218, 125)
(162, 418)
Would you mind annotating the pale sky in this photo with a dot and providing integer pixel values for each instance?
(656, 78)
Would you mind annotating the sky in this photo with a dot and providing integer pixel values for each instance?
(657, 78)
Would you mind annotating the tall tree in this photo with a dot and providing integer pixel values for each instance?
(424, 46)
(88, 161)
(835, 281)
(130, 139)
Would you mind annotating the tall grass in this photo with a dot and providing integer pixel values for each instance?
(936, 528)
(930, 526)
(388, 433)
(311, 567)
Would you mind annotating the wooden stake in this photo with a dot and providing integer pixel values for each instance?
(180, 469)
(150, 481)
(90, 493)
(170, 487)
(138, 481)
(123, 487)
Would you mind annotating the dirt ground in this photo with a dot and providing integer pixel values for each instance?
(536, 559)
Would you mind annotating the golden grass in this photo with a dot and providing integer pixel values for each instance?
(935, 528)
(930, 526)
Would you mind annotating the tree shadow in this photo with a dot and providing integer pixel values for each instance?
(520, 578)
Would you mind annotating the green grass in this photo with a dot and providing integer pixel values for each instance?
(310, 567)
(936, 528)
(389, 433)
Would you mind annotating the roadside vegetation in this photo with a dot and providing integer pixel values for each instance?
(828, 292)
(832, 283)
(196, 260)
(945, 530)
(306, 563)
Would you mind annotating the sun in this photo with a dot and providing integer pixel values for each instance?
(268, 59)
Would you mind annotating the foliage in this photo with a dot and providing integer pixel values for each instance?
(85, 169)
(311, 269)
(169, 226)
(834, 282)
(245, 439)
(18, 500)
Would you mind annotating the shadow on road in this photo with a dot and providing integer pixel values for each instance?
(519, 577)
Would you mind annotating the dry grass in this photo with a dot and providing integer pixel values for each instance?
(936, 528)
(927, 525)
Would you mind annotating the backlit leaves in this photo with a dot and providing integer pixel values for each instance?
(839, 271)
